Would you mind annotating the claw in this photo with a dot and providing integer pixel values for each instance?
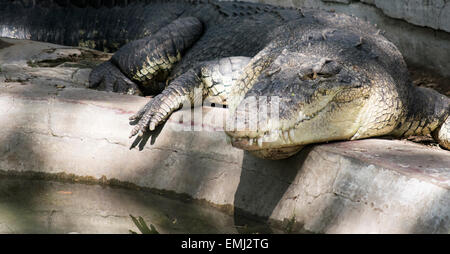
(136, 130)
(152, 126)
(134, 117)
(133, 133)
(141, 112)
(153, 113)
(137, 116)
(108, 77)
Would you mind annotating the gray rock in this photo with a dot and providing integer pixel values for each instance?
(55, 54)
(427, 13)
(434, 14)
(338, 1)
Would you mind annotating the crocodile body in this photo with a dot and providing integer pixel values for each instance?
(330, 76)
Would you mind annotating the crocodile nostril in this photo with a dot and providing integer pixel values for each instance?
(315, 75)
(311, 76)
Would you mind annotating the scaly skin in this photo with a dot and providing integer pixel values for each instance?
(330, 76)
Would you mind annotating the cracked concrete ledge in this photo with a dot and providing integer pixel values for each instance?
(419, 28)
(366, 186)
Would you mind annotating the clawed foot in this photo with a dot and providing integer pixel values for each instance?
(152, 114)
(108, 77)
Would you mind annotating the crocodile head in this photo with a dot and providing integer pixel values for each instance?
(297, 99)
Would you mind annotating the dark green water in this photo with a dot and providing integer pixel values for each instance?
(37, 206)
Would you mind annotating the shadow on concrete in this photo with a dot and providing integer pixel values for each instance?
(141, 141)
(432, 223)
(436, 218)
(4, 44)
(262, 189)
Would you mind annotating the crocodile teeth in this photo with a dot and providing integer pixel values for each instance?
(260, 141)
(291, 134)
(279, 134)
(286, 136)
(301, 116)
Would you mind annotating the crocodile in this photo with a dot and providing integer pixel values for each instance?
(329, 76)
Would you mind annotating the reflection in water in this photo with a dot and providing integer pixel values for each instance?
(142, 226)
(38, 206)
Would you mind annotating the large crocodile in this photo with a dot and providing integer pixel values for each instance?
(331, 76)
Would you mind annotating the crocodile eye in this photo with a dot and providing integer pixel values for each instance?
(311, 76)
(328, 68)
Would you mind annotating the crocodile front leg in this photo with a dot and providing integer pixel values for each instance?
(427, 112)
(148, 60)
(108, 77)
(442, 134)
(212, 80)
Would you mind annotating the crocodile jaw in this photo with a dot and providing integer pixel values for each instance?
(320, 98)
(336, 120)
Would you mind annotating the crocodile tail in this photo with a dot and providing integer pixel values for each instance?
(103, 25)
(73, 3)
